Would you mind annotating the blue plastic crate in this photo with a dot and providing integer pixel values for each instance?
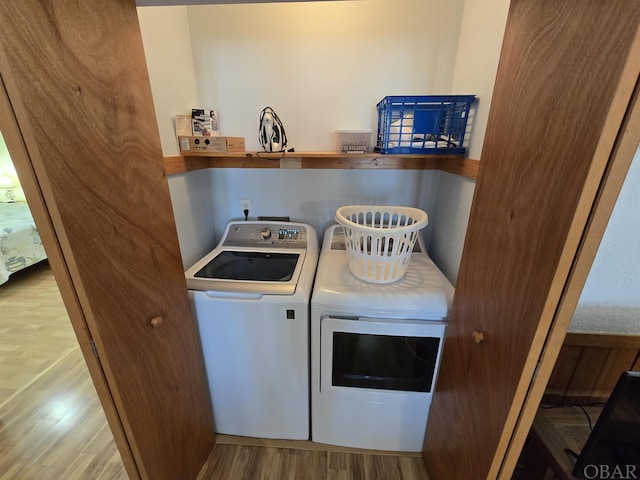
(423, 123)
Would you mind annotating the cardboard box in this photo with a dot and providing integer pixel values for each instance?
(211, 144)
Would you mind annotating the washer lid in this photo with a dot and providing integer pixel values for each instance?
(252, 266)
(247, 271)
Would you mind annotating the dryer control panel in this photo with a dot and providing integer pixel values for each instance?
(277, 235)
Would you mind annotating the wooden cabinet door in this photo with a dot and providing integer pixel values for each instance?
(80, 122)
(566, 77)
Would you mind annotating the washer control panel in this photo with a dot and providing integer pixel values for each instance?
(280, 235)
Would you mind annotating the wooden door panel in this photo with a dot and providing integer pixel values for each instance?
(560, 98)
(37, 205)
(76, 77)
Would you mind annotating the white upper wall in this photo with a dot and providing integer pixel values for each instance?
(610, 301)
(167, 47)
(322, 66)
(477, 58)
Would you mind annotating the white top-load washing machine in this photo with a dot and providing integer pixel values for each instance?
(375, 351)
(251, 296)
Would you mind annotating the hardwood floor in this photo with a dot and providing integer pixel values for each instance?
(56, 429)
(248, 459)
(34, 328)
(52, 425)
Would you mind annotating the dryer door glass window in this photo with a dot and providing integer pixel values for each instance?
(386, 362)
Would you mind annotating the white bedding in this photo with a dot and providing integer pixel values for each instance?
(20, 244)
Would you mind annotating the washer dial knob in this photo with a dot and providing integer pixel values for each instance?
(265, 233)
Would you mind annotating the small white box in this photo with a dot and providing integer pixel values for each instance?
(353, 141)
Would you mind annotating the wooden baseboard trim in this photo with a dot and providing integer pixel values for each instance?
(604, 340)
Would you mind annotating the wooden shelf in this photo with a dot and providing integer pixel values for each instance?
(322, 160)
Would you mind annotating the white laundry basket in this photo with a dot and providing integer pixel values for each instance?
(379, 240)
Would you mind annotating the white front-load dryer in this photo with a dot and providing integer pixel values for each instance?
(375, 351)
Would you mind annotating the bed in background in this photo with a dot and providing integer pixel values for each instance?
(20, 244)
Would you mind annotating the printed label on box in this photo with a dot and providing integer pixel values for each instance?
(204, 123)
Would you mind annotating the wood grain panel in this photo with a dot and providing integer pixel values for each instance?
(588, 367)
(406, 162)
(618, 360)
(584, 378)
(75, 74)
(562, 373)
(611, 183)
(465, 167)
(179, 164)
(537, 182)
